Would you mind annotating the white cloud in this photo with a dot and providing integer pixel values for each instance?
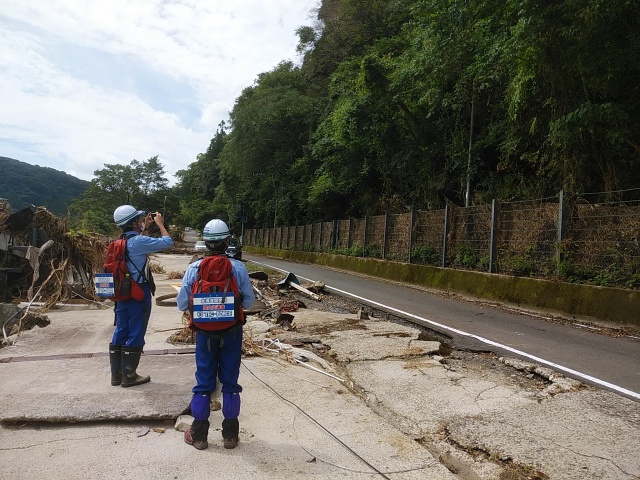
(88, 83)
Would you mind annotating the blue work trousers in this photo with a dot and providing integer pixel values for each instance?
(218, 356)
(132, 319)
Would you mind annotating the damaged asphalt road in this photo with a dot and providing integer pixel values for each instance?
(337, 395)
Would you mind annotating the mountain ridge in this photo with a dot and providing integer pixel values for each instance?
(23, 185)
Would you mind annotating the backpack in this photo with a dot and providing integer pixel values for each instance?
(115, 282)
(214, 302)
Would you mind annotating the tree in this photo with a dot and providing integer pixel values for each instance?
(141, 184)
(198, 184)
(398, 104)
(573, 98)
(261, 164)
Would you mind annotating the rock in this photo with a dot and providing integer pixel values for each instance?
(183, 423)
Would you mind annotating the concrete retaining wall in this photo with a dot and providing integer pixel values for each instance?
(609, 306)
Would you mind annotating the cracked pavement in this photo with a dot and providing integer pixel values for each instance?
(371, 399)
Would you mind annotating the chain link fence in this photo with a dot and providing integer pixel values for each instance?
(590, 238)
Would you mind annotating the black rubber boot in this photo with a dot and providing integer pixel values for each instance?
(230, 431)
(115, 358)
(130, 361)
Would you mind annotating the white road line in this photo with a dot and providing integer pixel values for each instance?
(597, 381)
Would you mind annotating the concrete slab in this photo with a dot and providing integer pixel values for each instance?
(558, 426)
(295, 423)
(437, 394)
(352, 339)
(564, 435)
(78, 390)
(572, 434)
(403, 411)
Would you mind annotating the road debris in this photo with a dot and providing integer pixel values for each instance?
(291, 280)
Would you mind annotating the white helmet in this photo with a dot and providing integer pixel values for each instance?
(215, 231)
(125, 214)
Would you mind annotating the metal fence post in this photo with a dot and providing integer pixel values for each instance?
(562, 229)
(384, 236)
(412, 221)
(495, 211)
(444, 237)
(364, 240)
(304, 231)
(505, 238)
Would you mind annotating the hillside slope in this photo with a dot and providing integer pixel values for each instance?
(24, 184)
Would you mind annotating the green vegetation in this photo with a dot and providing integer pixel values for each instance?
(622, 271)
(426, 256)
(523, 264)
(141, 184)
(24, 185)
(378, 115)
(400, 104)
(353, 251)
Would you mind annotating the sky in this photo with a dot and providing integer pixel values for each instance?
(84, 83)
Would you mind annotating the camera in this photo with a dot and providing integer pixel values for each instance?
(153, 216)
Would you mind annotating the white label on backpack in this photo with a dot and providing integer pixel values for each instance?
(208, 307)
(104, 285)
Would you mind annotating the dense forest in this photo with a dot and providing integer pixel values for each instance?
(23, 185)
(409, 104)
(402, 104)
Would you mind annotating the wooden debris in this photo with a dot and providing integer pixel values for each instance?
(61, 264)
(305, 291)
(292, 281)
